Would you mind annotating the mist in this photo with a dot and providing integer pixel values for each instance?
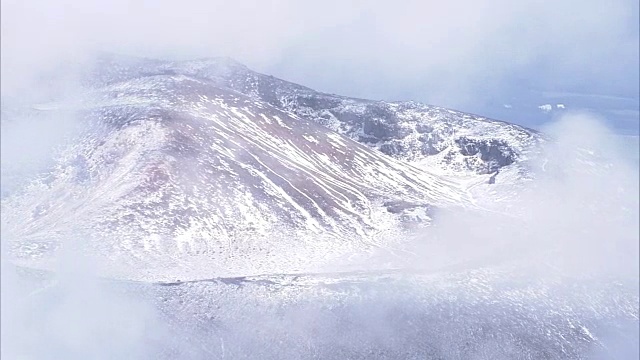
(450, 54)
(72, 315)
(577, 216)
(569, 239)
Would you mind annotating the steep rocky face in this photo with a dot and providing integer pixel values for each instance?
(495, 154)
(428, 135)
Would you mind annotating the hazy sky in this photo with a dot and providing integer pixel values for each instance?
(458, 53)
(455, 53)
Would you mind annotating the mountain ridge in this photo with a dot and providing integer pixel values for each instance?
(406, 130)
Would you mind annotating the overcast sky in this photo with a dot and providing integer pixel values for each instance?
(455, 53)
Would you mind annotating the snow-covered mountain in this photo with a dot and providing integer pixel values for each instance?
(236, 206)
(210, 160)
(174, 165)
(432, 136)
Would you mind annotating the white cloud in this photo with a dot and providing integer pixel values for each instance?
(545, 107)
(442, 52)
(580, 217)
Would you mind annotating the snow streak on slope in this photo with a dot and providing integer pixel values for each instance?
(173, 168)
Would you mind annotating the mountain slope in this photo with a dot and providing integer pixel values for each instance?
(172, 167)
